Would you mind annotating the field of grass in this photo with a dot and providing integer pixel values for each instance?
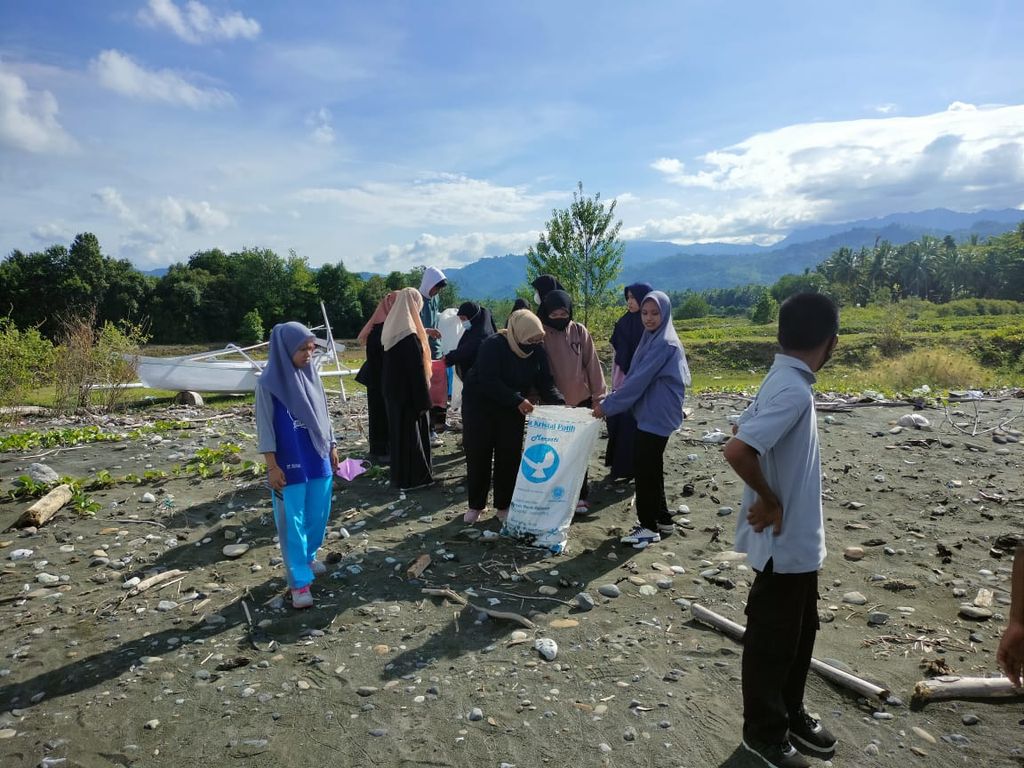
(890, 349)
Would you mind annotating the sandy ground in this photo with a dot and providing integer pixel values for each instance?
(377, 674)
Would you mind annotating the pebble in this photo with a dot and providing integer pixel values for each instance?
(20, 554)
(152, 725)
(148, 498)
(366, 690)
(629, 734)
(547, 590)
(166, 605)
(877, 618)
(725, 511)
(882, 715)
(604, 747)
(923, 734)
(854, 553)
(855, 598)
(976, 612)
(584, 601)
(475, 714)
(609, 590)
(235, 550)
(47, 578)
(683, 509)
(664, 583)
(871, 750)
(8, 733)
(970, 719)
(379, 732)
(647, 590)
(546, 647)
(43, 473)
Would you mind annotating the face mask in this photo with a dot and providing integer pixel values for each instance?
(466, 324)
(558, 323)
(536, 297)
(528, 348)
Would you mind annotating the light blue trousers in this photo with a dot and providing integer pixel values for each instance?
(301, 520)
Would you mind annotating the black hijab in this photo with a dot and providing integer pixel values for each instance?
(468, 309)
(629, 328)
(556, 299)
(545, 284)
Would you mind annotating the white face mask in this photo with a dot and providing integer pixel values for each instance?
(466, 324)
(536, 297)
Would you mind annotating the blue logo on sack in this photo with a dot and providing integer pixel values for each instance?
(557, 493)
(540, 462)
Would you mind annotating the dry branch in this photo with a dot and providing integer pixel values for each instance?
(39, 514)
(455, 597)
(834, 674)
(152, 581)
(953, 687)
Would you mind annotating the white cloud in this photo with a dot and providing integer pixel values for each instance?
(52, 232)
(111, 201)
(453, 250)
(885, 109)
(436, 200)
(119, 72)
(28, 119)
(321, 129)
(192, 216)
(196, 23)
(964, 158)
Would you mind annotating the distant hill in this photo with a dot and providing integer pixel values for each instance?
(720, 265)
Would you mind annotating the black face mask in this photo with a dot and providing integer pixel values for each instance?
(528, 348)
(558, 323)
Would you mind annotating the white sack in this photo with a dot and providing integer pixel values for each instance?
(559, 441)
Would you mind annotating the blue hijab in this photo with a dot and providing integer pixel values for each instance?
(629, 328)
(655, 342)
(298, 389)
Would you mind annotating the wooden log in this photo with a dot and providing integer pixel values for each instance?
(833, 674)
(152, 581)
(39, 514)
(418, 567)
(954, 687)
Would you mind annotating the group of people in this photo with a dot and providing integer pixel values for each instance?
(547, 357)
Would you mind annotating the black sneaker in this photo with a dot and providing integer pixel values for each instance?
(810, 736)
(782, 755)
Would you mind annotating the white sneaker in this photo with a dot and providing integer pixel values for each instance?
(318, 568)
(302, 598)
(641, 536)
(435, 440)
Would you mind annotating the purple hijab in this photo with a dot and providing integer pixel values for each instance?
(629, 328)
(298, 389)
(663, 337)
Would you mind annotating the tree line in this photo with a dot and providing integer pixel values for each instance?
(938, 270)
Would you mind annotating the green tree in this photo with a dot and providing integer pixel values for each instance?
(339, 290)
(788, 285)
(250, 331)
(765, 309)
(581, 248)
(692, 306)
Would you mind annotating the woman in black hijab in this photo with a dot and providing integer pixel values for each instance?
(478, 326)
(543, 285)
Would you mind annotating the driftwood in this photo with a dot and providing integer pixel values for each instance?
(834, 674)
(418, 567)
(455, 597)
(954, 687)
(152, 581)
(39, 514)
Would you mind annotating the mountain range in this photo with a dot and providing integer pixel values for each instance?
(673, 267)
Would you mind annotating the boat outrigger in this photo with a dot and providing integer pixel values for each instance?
(233, 369)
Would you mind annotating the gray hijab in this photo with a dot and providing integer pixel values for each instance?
(298, 389)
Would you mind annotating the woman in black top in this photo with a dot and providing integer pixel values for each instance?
(480, 327)
(509, 367)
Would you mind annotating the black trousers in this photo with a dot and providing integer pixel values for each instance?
(378, 418)
(491, 433)
(782, 621)
(649, 466)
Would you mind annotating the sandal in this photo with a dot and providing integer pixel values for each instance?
(471, 516)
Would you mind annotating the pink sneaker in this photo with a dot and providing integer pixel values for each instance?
(471, 516)
(302, 598)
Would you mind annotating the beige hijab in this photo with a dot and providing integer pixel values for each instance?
(522, 325)
(404, 320)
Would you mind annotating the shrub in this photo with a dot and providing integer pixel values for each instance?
(693, 306)
(938, 368)
(90, 357)
(27, 362)
(250, 331)
(765, 309)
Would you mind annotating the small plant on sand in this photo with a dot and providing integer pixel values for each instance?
(938, 368)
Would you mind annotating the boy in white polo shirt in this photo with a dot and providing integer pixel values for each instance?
(775, 453)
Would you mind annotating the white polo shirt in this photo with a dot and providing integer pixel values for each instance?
(781, 425)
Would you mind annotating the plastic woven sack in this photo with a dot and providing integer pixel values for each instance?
(559, 442)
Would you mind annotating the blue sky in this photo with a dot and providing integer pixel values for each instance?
(390, 134)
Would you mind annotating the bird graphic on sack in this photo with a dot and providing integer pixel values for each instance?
(540, 462)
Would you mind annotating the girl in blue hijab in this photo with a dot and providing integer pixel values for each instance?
(653, 392)
(629, 329)
(295, 436)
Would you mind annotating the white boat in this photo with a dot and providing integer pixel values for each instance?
(210, 372)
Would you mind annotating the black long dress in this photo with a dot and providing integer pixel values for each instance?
(407, 398)
(370, 377)
(492, 426)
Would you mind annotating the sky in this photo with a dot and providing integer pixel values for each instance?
(393, 134)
